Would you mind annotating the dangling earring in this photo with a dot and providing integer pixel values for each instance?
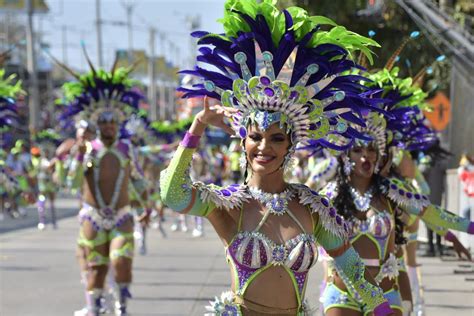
(290, 161)
(243, 160)
(377, 168)
(348, 165)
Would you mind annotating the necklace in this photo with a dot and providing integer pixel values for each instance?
(107, 210)
(361, 202)
(276, 203)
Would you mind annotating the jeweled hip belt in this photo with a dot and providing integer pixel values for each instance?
(105, 218)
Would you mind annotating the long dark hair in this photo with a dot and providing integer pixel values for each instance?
(344, 202)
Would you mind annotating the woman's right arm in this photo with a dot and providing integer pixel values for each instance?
(177, 189)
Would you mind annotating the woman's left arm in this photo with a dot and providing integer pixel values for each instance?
(360, 284)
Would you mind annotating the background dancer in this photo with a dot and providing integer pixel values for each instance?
(104, 173)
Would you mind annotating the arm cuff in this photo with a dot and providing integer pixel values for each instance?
(383, 309)
(449, 236)
(470, 228)
(190, 140)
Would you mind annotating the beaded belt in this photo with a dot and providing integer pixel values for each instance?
(104, 218)
(230, 304)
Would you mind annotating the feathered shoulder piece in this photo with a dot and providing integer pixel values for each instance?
(322, 205)
(403, 194)
(282, 67)
(230, 197)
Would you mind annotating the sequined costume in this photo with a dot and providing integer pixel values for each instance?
(251, 252)
(379, 226)
(106, 233)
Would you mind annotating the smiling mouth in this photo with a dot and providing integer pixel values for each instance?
(263, 159)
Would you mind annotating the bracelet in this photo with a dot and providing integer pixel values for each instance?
(383, 309)
(80, 157)
(190, 140)
(470, 228)
(450, 236)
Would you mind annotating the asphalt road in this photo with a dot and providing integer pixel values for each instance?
(39, 275)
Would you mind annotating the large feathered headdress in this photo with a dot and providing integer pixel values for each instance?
(402, 123)
(281, 67)
(100, 91)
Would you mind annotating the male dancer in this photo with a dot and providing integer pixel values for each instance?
(106, 232)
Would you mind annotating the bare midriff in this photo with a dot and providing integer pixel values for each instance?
(273, 288)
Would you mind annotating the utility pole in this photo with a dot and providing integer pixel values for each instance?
(162, 80)
(64, 42)
(152, 77)
(33, 95)
(98, 26)
(129, 9)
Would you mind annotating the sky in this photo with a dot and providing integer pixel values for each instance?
(167, 16)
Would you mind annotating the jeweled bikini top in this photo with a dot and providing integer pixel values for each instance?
(378, 225)
(252, 252)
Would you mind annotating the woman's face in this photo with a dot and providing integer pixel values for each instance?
(365, 159)
(266, 150)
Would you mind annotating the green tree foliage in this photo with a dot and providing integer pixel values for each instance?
(391, 26)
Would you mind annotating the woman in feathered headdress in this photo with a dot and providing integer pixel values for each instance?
(373, 202)
(279, 77)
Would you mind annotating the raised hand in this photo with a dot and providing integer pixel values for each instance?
(214, 115)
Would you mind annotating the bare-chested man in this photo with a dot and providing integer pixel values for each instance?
(106, 232)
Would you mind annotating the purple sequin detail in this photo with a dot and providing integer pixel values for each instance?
(332, 212)
(232, 189)
(393, 186)
(247, 259)
(409, 195)
(338, 219)
(294, 94)
(226, 192)
(263, 254)
(325, 202)
(300, 279)
(269, 92)
(265, 80)
(417, 196)
(242, 132)
(401, 192)
(244, 274)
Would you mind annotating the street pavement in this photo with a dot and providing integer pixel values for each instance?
(39, 275)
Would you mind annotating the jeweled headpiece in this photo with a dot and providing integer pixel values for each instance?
(281, 67)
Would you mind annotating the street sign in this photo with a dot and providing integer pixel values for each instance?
(440, 115)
